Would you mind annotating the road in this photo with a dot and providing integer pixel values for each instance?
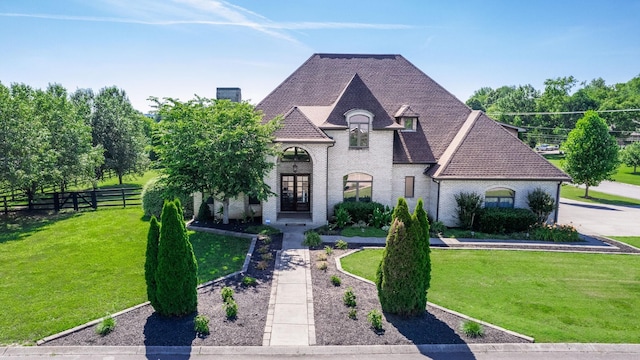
(381, 352)
(617, 188)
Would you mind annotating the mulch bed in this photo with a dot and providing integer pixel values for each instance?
(144, 327)
(334, 327)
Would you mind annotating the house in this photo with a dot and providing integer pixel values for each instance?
(375, 128)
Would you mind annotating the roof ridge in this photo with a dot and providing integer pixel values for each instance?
(445, 159)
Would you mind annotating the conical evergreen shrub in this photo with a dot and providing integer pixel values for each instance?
(402, 274)
(423, 245)
(176, 276)
(151, 262)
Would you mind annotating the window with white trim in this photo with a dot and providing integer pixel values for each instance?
(409, 182)
(357, 187)
(499, 197)
(409, 123)
(359, 126)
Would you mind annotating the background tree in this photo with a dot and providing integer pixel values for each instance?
(591, 153)
(630, 155)
(27, 159)
(177, 272)
(119, 128)
(69, 137)
(151, 263)
(402, 275)
(216, 146)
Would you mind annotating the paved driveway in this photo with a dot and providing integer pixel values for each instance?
(596, 219)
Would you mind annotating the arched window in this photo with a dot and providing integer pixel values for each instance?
(499, 197)
(359, 125)
(295, 154)
(357, 187)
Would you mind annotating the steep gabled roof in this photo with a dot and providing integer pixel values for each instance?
(297, 127)
(485, 150)
(356, 95)
(391, 80)
(465, 144)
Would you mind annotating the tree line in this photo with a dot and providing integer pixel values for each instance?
(562, 94)
(50, 138)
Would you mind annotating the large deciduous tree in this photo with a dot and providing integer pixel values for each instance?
(216, 146)
(70, 137)
(592, 153)
(118, 127)
(26, 157)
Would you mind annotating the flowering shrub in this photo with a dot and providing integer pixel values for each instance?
(555, 233)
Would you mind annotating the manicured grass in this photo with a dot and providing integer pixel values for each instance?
(575, 193)
(631, 240)
(368, 231)
(624, 174)
(218, 255)
(554, 297)
(60, 273)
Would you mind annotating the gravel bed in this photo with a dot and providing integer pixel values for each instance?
(144, 327)
(334, 327)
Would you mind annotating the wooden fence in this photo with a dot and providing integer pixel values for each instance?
(76, 200)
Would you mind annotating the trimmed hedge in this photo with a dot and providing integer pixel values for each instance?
(359, 211)
(505, 220)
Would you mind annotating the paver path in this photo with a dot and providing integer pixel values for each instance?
(290, 317)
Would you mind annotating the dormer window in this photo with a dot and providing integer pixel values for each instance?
(409, 123)
(359, 125)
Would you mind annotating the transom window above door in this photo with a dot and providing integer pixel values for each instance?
(295, 154)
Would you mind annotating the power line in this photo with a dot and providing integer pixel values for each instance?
(561, 112)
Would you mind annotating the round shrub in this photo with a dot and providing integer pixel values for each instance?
(155, 193)
(359, 211)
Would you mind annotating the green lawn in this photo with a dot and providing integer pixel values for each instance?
(57, 274)
(568, 191)
(631, 240)
(554, 297)
(368, 231)
(624, 174)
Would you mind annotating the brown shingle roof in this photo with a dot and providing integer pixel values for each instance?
(391, 79)
(488, 151)
(296, 126)
(328, 85)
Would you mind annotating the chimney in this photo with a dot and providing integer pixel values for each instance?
(232, 94)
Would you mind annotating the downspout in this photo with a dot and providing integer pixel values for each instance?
(437, 199)
(326, 183)
(555, 216)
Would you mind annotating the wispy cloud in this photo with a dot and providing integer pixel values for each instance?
(207, 13)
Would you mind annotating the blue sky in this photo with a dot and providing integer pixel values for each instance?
(178, 48)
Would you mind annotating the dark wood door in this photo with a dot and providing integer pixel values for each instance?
(294, 193)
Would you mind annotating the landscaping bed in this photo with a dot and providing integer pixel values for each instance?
(143, 327)
(334, 327)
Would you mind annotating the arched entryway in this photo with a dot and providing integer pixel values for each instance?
(295, 169)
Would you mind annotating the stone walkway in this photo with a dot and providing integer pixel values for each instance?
(290, 316)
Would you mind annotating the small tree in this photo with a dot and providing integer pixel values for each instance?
(423, 242)
(403, 272)
(151, 262)
(176, 276)
(541, 203)
(630, 155)
(218, 146)
(592, 154)
(469, 204)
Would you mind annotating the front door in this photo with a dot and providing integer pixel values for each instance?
(294, 193)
